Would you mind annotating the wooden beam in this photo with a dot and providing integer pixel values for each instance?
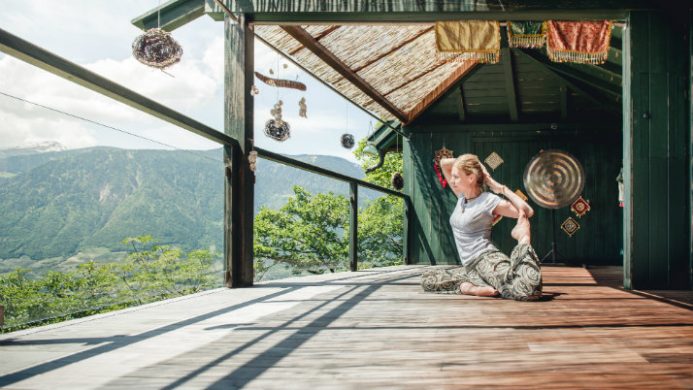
(507, 59)
(238, 123)
(70, 71)
(353, 227)
(440, 90)
(562, 77)
(418, 76)
(333, 61)
(461, 107)
(171, 15)
(317, 38)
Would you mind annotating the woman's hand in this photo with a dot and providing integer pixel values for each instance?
(492, 184)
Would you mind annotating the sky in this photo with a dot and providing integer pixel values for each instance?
(98, 35)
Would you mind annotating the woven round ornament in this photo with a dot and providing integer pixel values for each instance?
(156, 48)
(348, 141)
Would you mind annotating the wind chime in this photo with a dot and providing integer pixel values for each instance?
(347, 138)
(277, 128)
(156, 47)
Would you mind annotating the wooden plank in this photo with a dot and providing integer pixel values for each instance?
(461, 110)
(238, 123)
(564, 102)
(170, 15)
(307, 40)
(510, 84)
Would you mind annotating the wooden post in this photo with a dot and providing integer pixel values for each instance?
(353, 226)
(240, 180)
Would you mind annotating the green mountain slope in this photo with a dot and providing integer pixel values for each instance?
(59, 203)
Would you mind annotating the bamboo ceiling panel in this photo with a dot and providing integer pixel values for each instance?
(397, 61)
(368, 43)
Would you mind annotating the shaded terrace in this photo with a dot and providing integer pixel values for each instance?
(371, 328)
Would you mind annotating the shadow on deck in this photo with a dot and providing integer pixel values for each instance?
(369, 329)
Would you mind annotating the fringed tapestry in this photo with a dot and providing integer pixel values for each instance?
(477, 40)
(580, 42)
(528, 34)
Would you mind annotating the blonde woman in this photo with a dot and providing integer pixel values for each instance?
(485, 270)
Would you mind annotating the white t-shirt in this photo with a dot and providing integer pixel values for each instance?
(471, 225)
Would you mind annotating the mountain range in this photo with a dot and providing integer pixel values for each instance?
(59, 203)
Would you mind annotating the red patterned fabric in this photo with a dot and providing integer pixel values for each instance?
(582, 42)
(439, 173)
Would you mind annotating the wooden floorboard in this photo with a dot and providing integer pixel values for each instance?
(370, 329)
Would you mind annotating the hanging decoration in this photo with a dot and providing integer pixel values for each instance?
(348, 141)
(156, 48)
(280, 83)
(496, 219)
(302, 108)
(570, 226)
(493, 160)
(271, 71)
(580, 207)
(285, 65)
(580, 42)
(254, 91)
(252, 160)
(521, 194)
(439, 155)
(621, 188)
(276, 128)
(527, 34)
(397, 181)
(475, 40)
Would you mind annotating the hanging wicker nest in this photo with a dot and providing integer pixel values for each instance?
(397, 181)
(278, 130)
(156, 48)
(348, 141)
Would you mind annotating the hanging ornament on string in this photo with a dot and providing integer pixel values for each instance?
(271, 71)
(276, 128)
(302, 108)
(439, 155)
(347, 139)
(156, 47)
(397, 181)
(254, 91)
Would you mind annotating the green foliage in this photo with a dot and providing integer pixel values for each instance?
(383, 175)
(149, 273)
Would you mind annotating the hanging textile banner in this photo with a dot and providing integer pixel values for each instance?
(477, 40)
(528, 35)
(580, 42)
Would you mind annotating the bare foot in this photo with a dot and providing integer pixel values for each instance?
(521, 231)
(467, 288)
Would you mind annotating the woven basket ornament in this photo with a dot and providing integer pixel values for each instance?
(156, 48)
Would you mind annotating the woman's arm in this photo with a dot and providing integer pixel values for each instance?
(511, 207)
(446, 166)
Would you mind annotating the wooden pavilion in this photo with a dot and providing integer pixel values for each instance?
(633, 112)
(614, 323)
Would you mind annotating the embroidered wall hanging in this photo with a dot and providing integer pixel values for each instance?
(521, 194)
(570, 226)
(476, 40)
(437, 156)
(528, 34)
(580, 207)
(493, 160)
(580, 42)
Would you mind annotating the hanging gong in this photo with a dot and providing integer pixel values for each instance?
(554, 179)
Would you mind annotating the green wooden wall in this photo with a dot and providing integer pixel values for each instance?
(657, 129)
(600, 237)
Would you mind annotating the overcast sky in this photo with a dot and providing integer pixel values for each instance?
(98, 35)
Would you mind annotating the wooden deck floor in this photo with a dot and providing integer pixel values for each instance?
(371, 329)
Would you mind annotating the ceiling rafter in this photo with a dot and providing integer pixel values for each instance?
(317, 38)
(310, 43)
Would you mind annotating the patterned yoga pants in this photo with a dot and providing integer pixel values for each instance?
(516, 277)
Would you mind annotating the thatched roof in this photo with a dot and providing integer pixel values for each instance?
(390, 70)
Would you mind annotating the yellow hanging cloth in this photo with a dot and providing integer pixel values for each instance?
(477, 40)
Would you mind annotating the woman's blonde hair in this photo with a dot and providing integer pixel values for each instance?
(470, 164)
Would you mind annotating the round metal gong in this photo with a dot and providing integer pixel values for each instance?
(554, 178)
